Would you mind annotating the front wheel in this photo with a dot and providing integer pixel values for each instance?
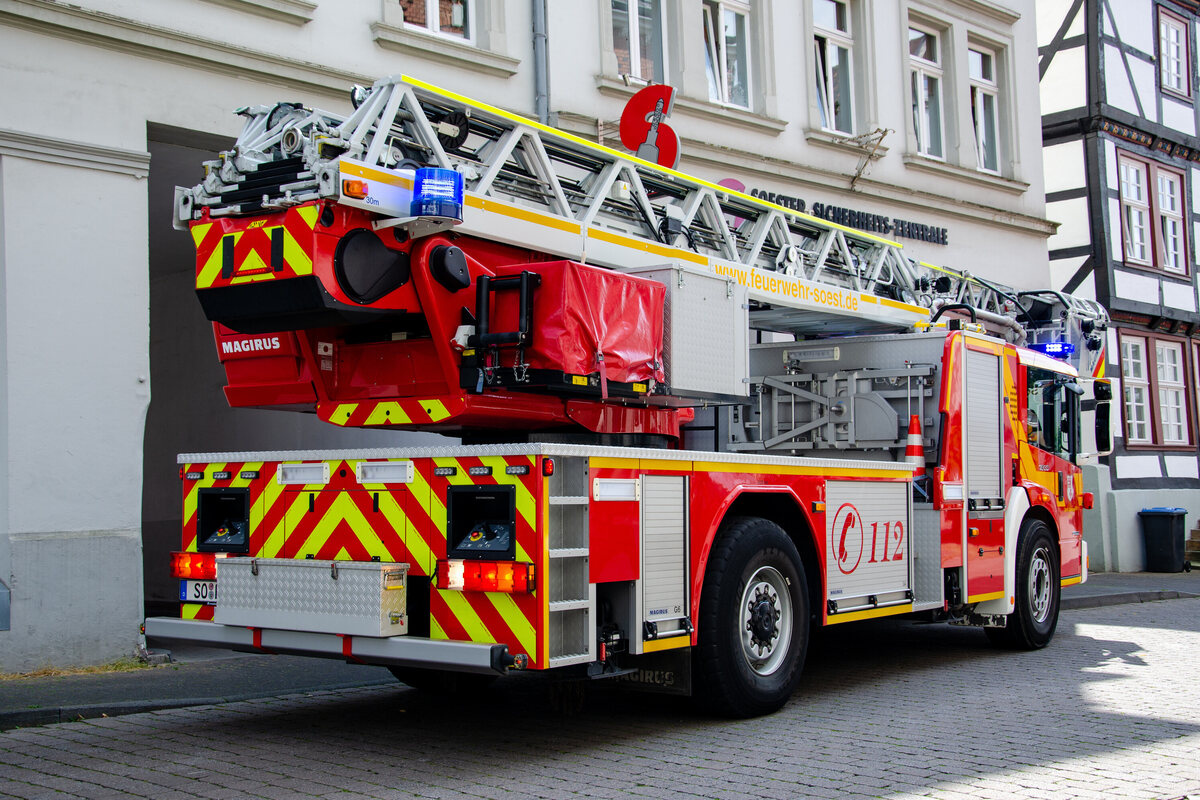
(754, 619)
(1032, 623)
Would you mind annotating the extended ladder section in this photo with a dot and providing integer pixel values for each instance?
(527, 182)
(729, 263)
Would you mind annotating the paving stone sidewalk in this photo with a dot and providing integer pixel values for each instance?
(200, 676)
(887, 710)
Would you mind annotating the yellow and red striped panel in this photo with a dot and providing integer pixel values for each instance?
(251, 244)
(412, 411)
(345, 520)
(491, 616)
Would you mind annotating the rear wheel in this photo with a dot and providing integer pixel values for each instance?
(754, 617)
(1035, 617)
(444, 682)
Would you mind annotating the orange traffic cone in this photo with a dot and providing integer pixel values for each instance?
(914, 450)
(914, 453)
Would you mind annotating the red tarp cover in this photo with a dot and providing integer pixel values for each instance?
(580, 312)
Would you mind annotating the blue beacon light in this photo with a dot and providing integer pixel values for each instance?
(1054, 349)
(437, 193)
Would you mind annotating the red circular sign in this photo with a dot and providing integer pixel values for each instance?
(847, 538)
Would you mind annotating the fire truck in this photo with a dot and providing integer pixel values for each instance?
(688, 424)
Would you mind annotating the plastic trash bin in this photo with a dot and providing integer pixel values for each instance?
(1163, 529)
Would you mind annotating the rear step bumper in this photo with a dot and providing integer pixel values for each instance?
(394, 651)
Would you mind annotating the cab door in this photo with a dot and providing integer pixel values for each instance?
(1048, 453)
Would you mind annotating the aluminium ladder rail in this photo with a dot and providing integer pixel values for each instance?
(587, 202)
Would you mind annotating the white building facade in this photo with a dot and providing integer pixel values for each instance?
(1120, 121)
(914, 120)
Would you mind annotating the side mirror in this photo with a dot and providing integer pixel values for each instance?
(1102, 390)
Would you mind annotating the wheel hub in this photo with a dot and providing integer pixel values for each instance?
(766, 620)
(763, 614)
(1039, 585)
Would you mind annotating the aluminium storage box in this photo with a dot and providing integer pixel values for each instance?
(706, 331)
(357, 598)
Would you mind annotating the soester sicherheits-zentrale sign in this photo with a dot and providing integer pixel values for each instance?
(853, 218)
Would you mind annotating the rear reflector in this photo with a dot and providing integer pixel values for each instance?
(194, 566)
(485, 576)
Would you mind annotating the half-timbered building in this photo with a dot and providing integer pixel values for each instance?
(1120, 116)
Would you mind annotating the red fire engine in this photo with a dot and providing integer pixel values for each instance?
(693, 423)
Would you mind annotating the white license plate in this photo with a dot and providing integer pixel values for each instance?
(198, 592)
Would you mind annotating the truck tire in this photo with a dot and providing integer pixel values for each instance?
(754, 617)
(1035, 616)
(441, 681)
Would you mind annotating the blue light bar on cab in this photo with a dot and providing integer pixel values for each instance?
(437, 193)
(1054, 349)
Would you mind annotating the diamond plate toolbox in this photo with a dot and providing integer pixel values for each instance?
(357, 598)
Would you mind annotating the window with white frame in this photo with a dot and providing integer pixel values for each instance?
(1135, 210)
(1135, 383)
(1154, 378)
(833, 47)
(1170, 220)
(1172, 388)
(1152, 226)
(727, 51)
(1174, 62)
(638, 39)
(1196, 377)
(449, 17)
(985, 90)
(925, 72)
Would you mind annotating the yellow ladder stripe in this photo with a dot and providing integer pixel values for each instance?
(291, 519)
(520, 625)
(266, 500)
(342, 509)
(190, 500)
(193, 498)
(348, 510)
(341, 414)
(295, 256)
(436, 410)
(308, 214)
(422, 495)
(212, 267)
(275, 539)
(200, 231)
(466, 616)
(380, 415)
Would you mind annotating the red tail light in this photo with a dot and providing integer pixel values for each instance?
(547, 467)
(194, 566)
(485, 576)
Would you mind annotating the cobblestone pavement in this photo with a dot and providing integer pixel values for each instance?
(891, 710)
